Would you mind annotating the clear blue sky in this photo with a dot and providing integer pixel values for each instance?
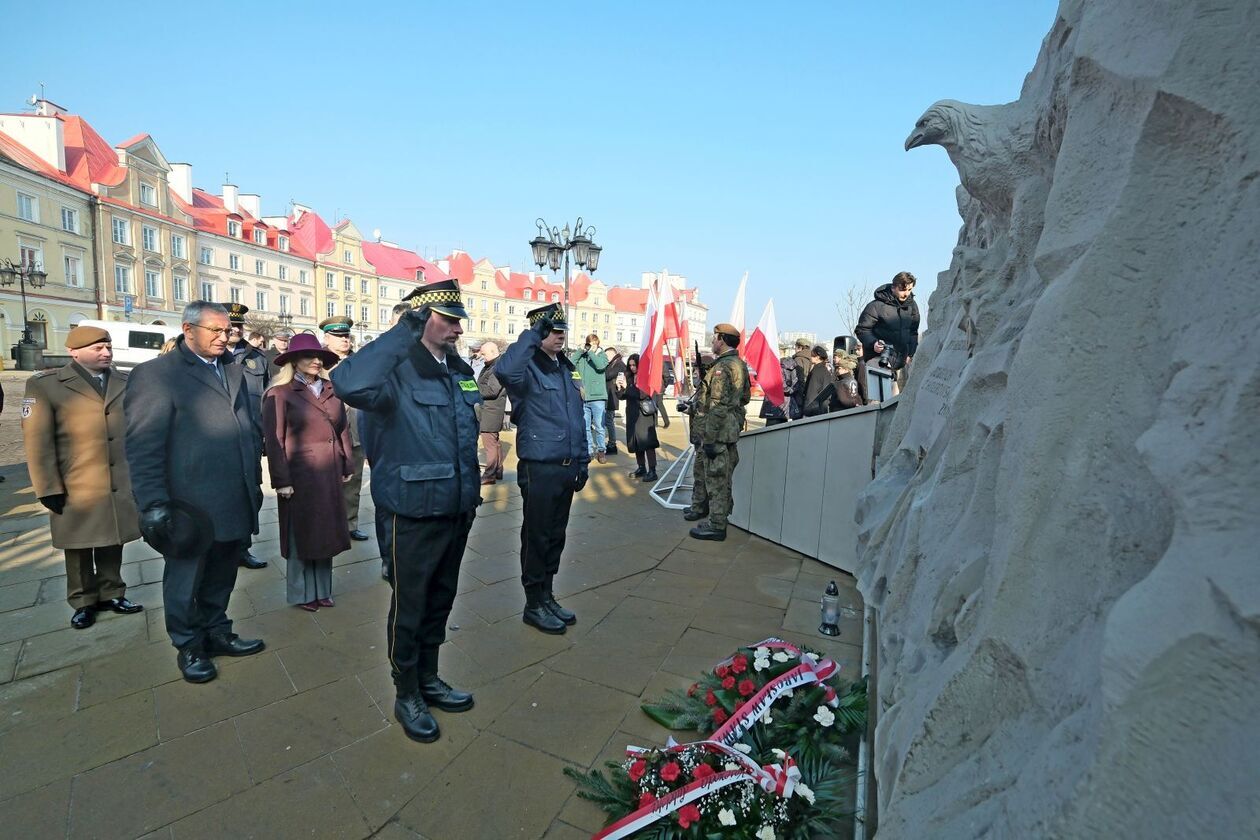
(706, 138)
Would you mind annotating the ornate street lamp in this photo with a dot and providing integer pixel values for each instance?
(551, 247)
(22, 273)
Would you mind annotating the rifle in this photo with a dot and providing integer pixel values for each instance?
(699, 362)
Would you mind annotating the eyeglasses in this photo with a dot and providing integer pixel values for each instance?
(218, 331)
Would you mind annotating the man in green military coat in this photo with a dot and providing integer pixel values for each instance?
(718, 421)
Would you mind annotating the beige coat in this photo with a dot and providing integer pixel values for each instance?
(75, 445)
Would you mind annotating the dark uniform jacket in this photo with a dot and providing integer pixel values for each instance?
(189, 437)
(257, 370)
(423, 426)
(546, 402)
(889, 320)
(493, 399)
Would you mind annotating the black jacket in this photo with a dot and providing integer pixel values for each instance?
(422, 437)
(546, 402)
(493, 399)
(891, 321)
(615, 366)
(818, 395)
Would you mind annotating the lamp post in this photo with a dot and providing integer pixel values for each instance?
(552, 244)
(11, 272)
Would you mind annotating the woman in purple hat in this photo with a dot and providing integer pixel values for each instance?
(308, 455)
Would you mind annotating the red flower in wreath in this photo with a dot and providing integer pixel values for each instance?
(740, 664)
(728, 683)
(646, 799)
(746, 687)
(691, 692)
(719, 716)
(687, 815)
(670, 771)
(702, 772)
(722, 671)
(710, 698)
(637, 770)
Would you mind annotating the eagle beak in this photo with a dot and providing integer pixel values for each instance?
(915, 140)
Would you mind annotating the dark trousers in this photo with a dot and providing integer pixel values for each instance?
(659, 399)
(352, 489)
(610, 424)
(94, 575)
(384, 537)
(425, 556)
(195, 592)
(547, 489)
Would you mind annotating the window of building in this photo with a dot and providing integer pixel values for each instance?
(234, 229)
(527, 294)
(122, 231)
(349, 310)
(28, 207)
(149, 238)
(69, 220)
(330, 282)
(304, 306)
(483, 324)
(148, 195)
(349, 257)
(73, 264)
(511, 328)
(364, 316)
(330, 309)
(260, 267)
(283, 243)
(260, 236)
(284, 304)
(384, 293)
(583, 318)
(347, 282)
(555, 297)
(605, 317)
(234, 262)
(260, 301)
(282, 271)
(181, 288)
(177, 247)
(384, 316)
(511, 310)
(235, 294)
(152, 284)
(484, 285)
(496, 327)
(303, 277)
(496, 306)
(207, 290)
(122, 279)
(621, 336)
(207, 255)
(363, 287)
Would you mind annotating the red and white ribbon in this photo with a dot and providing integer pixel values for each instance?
(810, 672)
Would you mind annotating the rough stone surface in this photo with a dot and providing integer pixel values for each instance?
(1061, 537)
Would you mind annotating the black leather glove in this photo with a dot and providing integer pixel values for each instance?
(155, 519)
(710, 450)
(415, 320)
(582, 476)
(543, 326)
(56, 502)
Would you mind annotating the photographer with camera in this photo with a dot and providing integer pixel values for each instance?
(889, 326)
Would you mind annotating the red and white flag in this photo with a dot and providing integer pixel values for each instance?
(763, 358)
(737, 314)
(652, 348)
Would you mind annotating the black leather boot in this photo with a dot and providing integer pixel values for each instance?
(414, 717)
(549, 601)
(195, 665)
(537, 615)
(694, 514)
(436, 691)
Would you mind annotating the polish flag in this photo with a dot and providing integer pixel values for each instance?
(763, 358)
(737, 314)
(652, 348)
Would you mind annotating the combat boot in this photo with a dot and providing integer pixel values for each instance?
(553, 606)
(411, 712)
(692, 514)
(436, 691)
(537, 615)
(706, 531)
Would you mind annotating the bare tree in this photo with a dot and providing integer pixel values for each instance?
(267, 325)
(850, 307)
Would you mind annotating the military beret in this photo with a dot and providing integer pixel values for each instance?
(85, 337)
(726, 329)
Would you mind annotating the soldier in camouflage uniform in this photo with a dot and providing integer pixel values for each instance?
(719, 420)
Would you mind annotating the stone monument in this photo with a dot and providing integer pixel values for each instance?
(1062, 540)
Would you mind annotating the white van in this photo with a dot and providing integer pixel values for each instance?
(134, 343)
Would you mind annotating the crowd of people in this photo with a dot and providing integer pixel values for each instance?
(172, 451)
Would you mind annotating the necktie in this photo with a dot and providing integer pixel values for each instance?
(218, 371)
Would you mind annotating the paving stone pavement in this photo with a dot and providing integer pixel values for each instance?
(100, 738)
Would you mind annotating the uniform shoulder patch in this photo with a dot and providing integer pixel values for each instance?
(43, 373)
(575, 375)
(28, 404)
(467, 385)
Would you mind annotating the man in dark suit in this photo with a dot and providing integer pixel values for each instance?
(257, 371)
(193, 435)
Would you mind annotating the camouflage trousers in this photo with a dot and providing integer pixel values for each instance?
(711, 483)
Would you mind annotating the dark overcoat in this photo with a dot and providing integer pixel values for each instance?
(615, 366)
(191, 437)
(308, 449)
(493, 399)
(640, 427)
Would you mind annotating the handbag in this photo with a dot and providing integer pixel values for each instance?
(647, 407)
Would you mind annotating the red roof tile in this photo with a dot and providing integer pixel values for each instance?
(400, 264)
(89, 159)
(311, 236)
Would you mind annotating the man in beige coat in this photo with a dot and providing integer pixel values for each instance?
(72, 422)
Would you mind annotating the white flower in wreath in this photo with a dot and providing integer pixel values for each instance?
(824, 716)
(804, 792)
(726, 816)
(765, 833)
(761, 663)
(744, 748)
(762, 652)
(787, 693)
(779, 754)
(730, 765)
(766, 719)
(781, 656)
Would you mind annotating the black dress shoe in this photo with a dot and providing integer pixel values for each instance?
(567, 616)
(119, 605)
(537, 615)
(195, 665)
(249, 561)
(639, 473)
(437, 693)
(83, 618)
(692, 515)
(649, 477)
(358, 536)
(706, 531)
(230, 644)
(413, 715)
